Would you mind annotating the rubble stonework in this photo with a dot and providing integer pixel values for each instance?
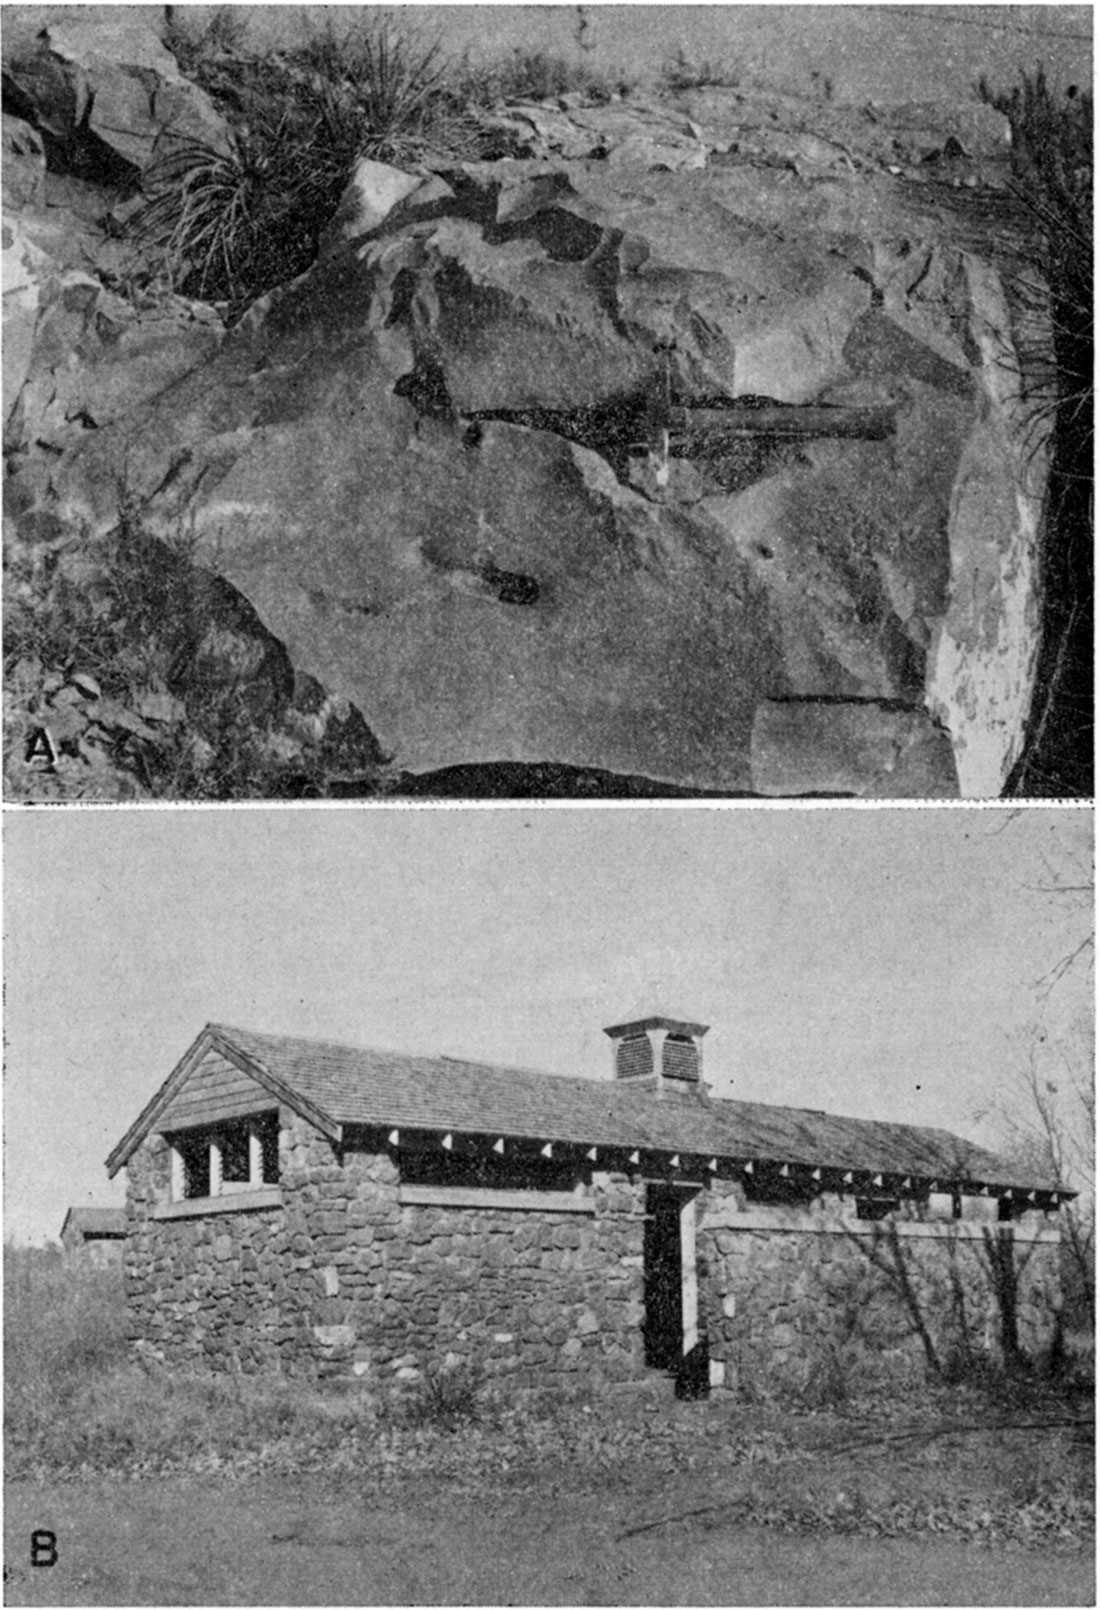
(784, 1296)
(344, 1278)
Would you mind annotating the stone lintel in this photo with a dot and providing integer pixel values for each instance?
(459, 1196)
(239, 1202)
(719, 1218)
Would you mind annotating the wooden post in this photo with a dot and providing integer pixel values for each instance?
(689, 1284)
(179, 1186)
(215, 1167)
(255, 1156)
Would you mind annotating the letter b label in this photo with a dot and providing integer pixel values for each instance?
(43, 1548)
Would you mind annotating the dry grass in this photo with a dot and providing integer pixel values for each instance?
(914, 1462)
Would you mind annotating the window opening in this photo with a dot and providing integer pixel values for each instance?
(491, 1172)
(226, 1159)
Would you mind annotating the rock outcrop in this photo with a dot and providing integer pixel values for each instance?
(659, 451)
(108, 97)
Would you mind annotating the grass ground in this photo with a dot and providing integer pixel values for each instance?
(289, 1542)
(167, 1488)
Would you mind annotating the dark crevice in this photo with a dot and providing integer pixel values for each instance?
(510, 586)
(425, 387)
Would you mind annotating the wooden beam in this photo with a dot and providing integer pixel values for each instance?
(691, 426)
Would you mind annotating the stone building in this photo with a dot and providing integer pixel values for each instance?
(95, 1234)
(314, 1208)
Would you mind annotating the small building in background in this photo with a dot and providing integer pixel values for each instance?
(96, 1234)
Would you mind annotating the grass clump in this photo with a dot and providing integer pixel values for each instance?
(228, 224)
(445, 1397)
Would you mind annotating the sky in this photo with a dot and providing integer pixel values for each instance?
(875, 962)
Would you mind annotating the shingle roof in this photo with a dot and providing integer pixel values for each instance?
(358, 1086)
(94, 1221)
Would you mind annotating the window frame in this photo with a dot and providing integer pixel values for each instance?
(257, 1132)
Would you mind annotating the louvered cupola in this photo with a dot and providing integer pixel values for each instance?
(662, 1054)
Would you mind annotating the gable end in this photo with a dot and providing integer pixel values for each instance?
(172, 1103)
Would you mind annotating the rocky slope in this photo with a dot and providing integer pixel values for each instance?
(689, 444)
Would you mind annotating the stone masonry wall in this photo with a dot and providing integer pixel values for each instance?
(223, 1290)
(786, 1287)
(535, 1294)
(345, 1278)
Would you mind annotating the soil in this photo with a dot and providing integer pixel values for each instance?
(291, 1542)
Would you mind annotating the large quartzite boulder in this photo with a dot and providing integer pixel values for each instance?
(437, 466)
(107, 96)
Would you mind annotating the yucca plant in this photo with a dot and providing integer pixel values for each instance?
(393, 77)
(228, 225)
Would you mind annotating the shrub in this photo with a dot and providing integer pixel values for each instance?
(679, 74)
(534, 75)
(1052, 159)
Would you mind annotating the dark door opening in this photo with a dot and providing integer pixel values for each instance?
(663, 1267)
(671, 1330)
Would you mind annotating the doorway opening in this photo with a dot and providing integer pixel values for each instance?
(671, 1328)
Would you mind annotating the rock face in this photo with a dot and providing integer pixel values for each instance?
(456, 468)
(108, 96)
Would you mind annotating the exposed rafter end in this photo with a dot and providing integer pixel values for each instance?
(785, 1172)
(815, 1174)
(877, 1180)
(748, 1168)
(547, 1150)
(394, 1137)
(635, 1157)
(591, 1154)
(713, 1165)
(848, 1178)
(447, 1142)
(674, 1160)
(498, 1145)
